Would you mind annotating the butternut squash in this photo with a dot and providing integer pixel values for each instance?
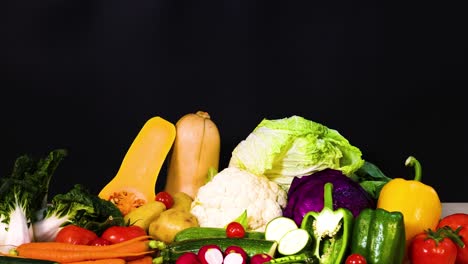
(135, 182)
(196, 149)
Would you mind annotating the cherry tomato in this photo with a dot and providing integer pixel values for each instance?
(455, 221)
(117, 234)
(165, 198)
(424, 249)
(99, 241)
(356, 259)
(74, 234)
(235, 230)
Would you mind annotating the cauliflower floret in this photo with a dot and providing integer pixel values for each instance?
(234, 190)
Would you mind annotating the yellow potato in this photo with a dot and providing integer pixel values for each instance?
(145, 214)
(182, 201)
(169, 223)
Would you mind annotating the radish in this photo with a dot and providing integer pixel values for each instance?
(260, 258)
(210, 254)
(235, 255)
(188, 258)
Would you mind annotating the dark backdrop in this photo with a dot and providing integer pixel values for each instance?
(85, 75)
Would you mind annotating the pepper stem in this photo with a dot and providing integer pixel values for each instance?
(413, 162)
(327, 196)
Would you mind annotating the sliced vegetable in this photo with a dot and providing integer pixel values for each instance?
(294, 241)
(135, 182)
(379, 236)
(277, 227)
(210, 254)
(330, 229)
(419, 203)
(196, 149)
(235, 255)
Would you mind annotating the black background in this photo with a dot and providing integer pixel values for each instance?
(86, 75)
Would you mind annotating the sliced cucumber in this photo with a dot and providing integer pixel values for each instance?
(294, 242)
(277, 227)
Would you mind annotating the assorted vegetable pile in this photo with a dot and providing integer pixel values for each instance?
(295, 191)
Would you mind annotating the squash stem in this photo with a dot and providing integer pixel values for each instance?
(413, 162)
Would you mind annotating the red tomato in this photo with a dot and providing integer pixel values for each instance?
(235, 230)
(99, 241)
(455, 221)
(165, 198)
(73, 234)
(117, 234)
(425, 249)
(356, 259)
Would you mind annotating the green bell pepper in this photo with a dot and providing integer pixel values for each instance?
(379, 236)
(331, 230)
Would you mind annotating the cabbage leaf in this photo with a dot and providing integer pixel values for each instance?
(282, 149)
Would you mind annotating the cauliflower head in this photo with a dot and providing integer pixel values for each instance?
(234, 190)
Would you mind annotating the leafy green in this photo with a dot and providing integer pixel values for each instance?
(371, 178)
(22, 194)
(291, 147)
(78, 207)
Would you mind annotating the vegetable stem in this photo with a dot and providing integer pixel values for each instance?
(413, 162)
(327, 197)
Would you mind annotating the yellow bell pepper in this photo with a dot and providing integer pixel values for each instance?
(419, 203)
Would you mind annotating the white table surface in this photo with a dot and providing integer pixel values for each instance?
(451, 208)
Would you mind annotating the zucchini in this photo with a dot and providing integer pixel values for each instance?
(21, 260)
(211, 232)
(277, 227)
(294, 242)
(171, 252)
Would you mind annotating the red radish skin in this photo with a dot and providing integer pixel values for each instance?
(237, 252)
(260, 258)
(210, 254)
(188, 258)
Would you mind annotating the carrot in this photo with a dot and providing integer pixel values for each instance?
(73, 247)
(66, 256)
(100, 261)
(143, 260)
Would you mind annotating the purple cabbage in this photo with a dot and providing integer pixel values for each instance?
(306, 194)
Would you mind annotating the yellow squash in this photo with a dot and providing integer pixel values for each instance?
(196, 149)
(419, 203)
(135, 182)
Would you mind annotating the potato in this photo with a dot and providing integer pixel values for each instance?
(170, 222)
(182, 201)
(145, 214)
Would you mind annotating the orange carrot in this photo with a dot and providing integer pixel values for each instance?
(73, 247)
(143, 260)
(66, 256)
(100, 261)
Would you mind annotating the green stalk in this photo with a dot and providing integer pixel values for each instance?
(413, 162)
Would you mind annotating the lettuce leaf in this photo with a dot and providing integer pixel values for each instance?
(282, 149)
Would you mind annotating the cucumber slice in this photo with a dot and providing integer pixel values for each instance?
(277, 227)
(294, 242)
